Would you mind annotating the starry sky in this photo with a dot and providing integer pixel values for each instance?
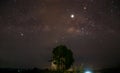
(30, 29)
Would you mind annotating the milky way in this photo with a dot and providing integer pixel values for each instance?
(30, 29)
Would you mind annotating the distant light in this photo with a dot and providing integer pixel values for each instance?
(72, 15)
(88, 72)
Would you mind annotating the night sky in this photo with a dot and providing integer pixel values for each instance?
(30, 29)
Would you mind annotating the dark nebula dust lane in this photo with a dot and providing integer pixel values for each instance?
(30, 29)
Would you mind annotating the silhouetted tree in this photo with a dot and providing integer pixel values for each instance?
(62, 57)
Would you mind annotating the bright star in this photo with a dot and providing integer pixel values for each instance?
(72, 15)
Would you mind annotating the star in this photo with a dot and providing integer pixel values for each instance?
(72, 15)
(84, 7)
(21, 34)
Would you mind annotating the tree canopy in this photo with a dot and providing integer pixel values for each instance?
(62, 57)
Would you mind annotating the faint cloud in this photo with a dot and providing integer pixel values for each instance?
(73, 30)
